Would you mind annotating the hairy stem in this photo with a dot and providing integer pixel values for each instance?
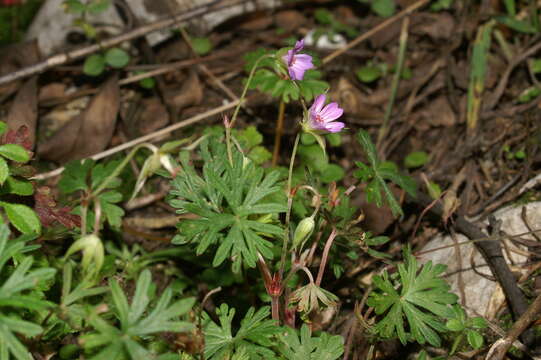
(289, 204)
(278, 133)
(325, 256)
(237, 108)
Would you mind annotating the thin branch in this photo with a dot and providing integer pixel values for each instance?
(162, 24)
(145, 138)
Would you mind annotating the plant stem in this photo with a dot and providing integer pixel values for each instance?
(289, 204)
(396, 80)
(237, 108)
(117, 170)
(279, 131)
(325, 256)
(275, 308)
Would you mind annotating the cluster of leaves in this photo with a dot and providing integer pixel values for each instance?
(419, 298)
(16, 301)
(230, 202)
(84, 178)
(13, 182)
(331, 26)
(259, 338)
(83, 9)
(121, 332)
(114, 340)
(267, 79)
(376, 173)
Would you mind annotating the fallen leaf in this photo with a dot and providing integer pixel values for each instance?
(439, 113)
(16, 57)
(290, 20)
(190, 93)
(351, 99)
(23, 113)
(89, 132)
(154, 116)
(439, 26)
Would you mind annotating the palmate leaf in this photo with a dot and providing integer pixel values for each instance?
(13, 298)
(377, 173)
(253, 338)
(137, 320)
(325, 347)
(421, 299)
(227, 200)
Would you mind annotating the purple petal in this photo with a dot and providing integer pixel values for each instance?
(298, 46)
(335, 126)
(288, 59)
(331, 112)
(304, 59)
(318, 104)
(296, 72)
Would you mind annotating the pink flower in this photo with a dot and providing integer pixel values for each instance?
(322, 118)
(297, 63)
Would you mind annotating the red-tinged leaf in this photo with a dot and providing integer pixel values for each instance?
(49, 212)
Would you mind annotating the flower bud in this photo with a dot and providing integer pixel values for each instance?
(303, 232)
(93, 252)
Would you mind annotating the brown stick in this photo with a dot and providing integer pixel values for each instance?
(66, 57)
(491, 251)
(499, 349)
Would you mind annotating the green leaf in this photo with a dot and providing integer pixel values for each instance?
(474, 339)
(368, 74)
(521, 26)
(117, 58)
(94, 65)
(308, 347)
(139, 319)
(4, 171)
(75, 176)
(147, 83)
(440, 5)
(376, 174)
(416, 159)
(226, 197)
(113, 213)
(536, 66)
(14, 152)
(3, 127)
(312, 85)
(529, 94)
(22, 217)
(74, 6)
(334, 139)
(332, 173)
(255, 335)
(17, 186)
(259, 155)
(454, 325)
(249, 137)
(307, 139)
(384, 8)
(418, 298)
(478, 323)
(98, 6)
(201, 45)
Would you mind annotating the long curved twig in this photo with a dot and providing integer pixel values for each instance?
(170, 21)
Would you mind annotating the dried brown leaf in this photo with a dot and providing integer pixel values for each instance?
(15, 57)
(24, 112)
(88, 133)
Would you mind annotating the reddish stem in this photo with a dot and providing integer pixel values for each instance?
(325, 256)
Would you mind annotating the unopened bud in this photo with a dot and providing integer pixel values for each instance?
(93, 252)
(303, 232)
